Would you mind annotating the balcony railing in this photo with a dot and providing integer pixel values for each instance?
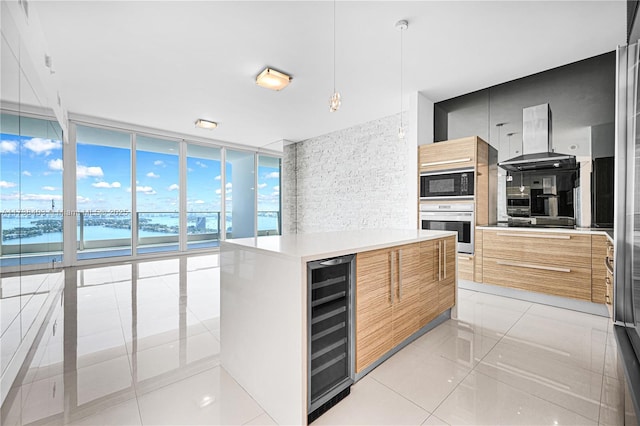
(28, 233)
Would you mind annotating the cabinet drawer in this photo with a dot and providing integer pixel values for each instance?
(598, 268)
(552, 248)
(566, 281)
(466, 264)
(453, 154)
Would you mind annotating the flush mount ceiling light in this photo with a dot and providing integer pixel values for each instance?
(272, 79)
(206, 124)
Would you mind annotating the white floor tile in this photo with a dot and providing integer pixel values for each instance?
(482, 400)
(434, 421)
(422, 378)
(543, 373)
(123, 414)
(570, 317)
(372, 403)
(457, 344)
(612, 403)
(580, 345)
(262, 420)
(212, 397)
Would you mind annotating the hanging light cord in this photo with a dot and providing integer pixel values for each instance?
(401, 44)
(334, 46)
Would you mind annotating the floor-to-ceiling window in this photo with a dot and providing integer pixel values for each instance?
(103, 182)
(269, 218)
(204, 196)
(30, 190)
(157, 194)
(240, 197)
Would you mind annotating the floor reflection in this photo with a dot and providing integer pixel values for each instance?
(116, 333)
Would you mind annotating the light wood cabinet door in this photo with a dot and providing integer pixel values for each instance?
(452, 154)
(374, 327)
(598, 268)
(553, 248)
(447, 276)
(428, 286)
(406, 306)
(466, 268)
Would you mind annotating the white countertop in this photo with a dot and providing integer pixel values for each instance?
(590, 231)
(321, 245)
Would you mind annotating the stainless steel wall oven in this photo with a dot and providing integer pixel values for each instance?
(458, 217)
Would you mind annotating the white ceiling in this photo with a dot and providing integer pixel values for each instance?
(162, 64)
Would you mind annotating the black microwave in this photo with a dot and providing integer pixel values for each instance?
(447, 184)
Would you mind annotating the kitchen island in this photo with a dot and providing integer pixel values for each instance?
(264, 304)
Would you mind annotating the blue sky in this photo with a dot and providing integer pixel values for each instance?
(31, 177)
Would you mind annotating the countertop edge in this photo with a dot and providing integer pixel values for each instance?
(341, 251)
(583, 231)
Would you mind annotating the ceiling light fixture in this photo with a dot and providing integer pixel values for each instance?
(402, 26)
(272, 79)
(334, 101)
(206, 124)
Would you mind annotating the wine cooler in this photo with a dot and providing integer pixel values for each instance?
(330, 332)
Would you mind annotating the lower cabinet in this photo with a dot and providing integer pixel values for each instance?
(546, 262)
(398, 291)
(466, 268)
(598, 268)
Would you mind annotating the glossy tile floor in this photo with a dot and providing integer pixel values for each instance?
(134, 344)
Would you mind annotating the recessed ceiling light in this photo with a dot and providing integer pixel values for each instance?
(272, 79)
(206, 124)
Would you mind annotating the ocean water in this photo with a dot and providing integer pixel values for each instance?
(105, 233)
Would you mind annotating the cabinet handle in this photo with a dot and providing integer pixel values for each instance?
(608, 265)
(444, 262)
(439, 260)
(465, 257)
(524, 235)
(437, 163)
(399, 274)
(530, 266)
(391, 277)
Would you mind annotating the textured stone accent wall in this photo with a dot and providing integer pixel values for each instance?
(362, 177)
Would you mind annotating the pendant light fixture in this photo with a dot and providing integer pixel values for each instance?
(334, 101)
(402, 26)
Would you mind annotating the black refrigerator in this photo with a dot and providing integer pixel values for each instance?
(627, 227)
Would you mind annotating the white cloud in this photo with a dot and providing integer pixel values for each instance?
(152, 175)
(42, 146)
(55, 164)
(173, 187)
(10, 197)
(228, 185)
(145, 190)
(92, 171)
(189, 169)
(218, 177)
(82, 200)
(106, 185)
(272, 175)
(48, 188)
(158, 163)
(262, 185)
(201, 164)
(198, 202)
(5, 184)
(276, 188)
(218, 191)
(26, 173)
(8, 147)
(40, 197)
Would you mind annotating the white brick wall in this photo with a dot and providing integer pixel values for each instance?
(362, 177)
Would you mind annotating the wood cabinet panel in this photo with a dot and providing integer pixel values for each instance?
(566, 281)
(373, 306)
(428, 287)
(538, 247)
(454, 154)
(598, 268)
(466, 266)
(406, 306)
(446, 284)
(477, 277)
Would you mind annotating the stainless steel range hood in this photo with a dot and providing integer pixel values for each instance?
(536, 144)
